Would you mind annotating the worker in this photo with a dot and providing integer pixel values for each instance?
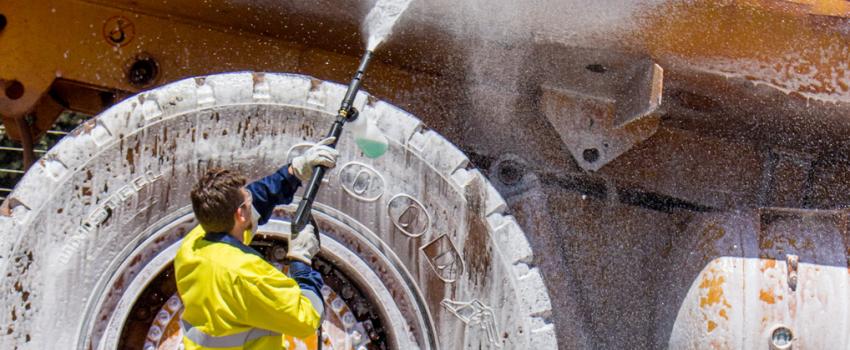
(232, 297)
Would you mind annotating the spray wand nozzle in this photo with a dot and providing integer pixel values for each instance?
(346, 113)
(348, 101)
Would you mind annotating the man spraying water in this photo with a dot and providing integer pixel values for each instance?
(233, 298)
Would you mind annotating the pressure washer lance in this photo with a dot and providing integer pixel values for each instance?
(346, 113)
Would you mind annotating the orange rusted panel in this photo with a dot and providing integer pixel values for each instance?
(756, 285)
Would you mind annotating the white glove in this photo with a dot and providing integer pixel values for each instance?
(318, 154)
(304, 246)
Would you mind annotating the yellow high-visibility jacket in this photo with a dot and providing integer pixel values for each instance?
(233, 299)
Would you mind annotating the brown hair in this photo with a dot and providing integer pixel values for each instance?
(216, 197)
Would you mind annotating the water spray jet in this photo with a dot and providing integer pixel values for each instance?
(380, 21)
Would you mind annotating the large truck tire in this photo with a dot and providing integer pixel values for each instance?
(96, 220)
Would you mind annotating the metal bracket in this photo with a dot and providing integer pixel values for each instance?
(598, 129)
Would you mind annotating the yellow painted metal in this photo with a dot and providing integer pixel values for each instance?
(45, 40)
(836, 8)
(767, 42)
(75, 40)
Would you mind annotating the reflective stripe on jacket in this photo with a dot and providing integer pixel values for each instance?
(229, 294)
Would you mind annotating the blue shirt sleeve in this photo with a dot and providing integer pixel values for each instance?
(273, 190)
(270, 191)
(306, 277)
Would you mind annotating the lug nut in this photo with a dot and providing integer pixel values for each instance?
(279, 253)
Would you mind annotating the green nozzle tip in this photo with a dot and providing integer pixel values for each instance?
(372, 148)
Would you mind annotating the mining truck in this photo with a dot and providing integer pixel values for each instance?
(561, 174)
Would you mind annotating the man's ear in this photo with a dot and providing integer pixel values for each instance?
(238, 215)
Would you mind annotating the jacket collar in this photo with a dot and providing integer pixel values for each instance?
(222, 237)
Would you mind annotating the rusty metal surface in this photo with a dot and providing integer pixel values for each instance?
(744, 289)
(622, 276)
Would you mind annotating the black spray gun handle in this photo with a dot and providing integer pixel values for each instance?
(346, 113)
